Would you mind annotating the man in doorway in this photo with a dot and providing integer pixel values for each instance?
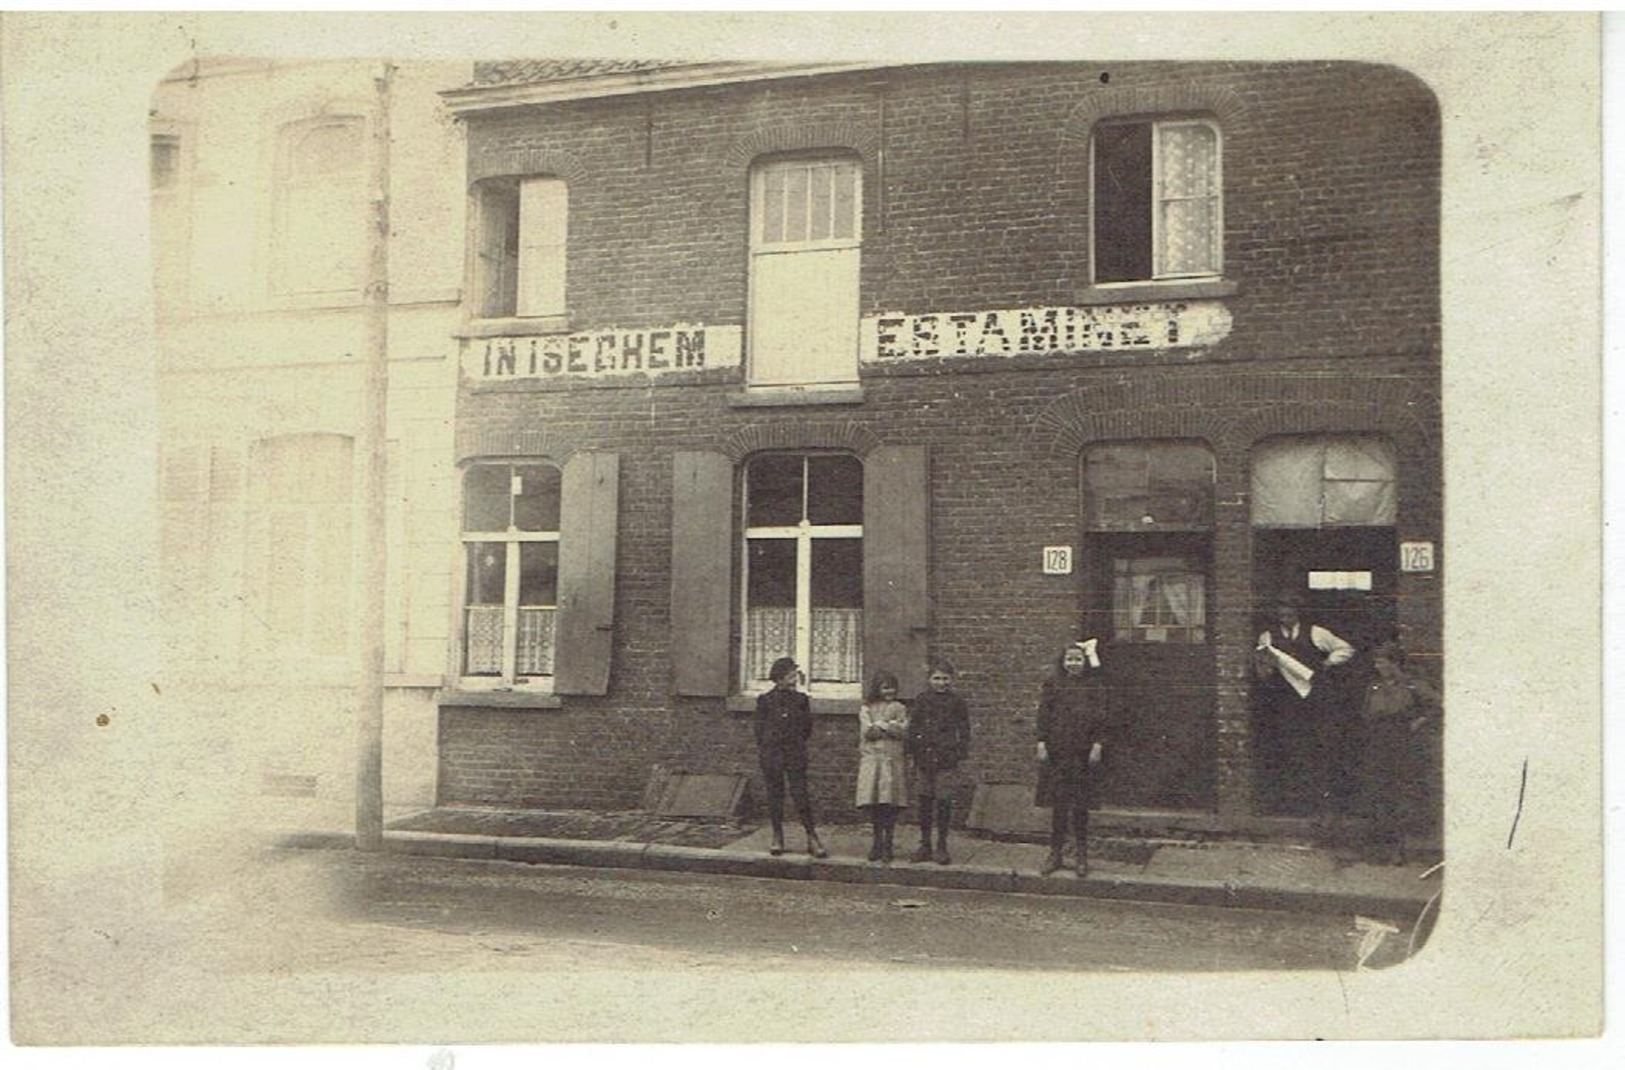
(1298, 713)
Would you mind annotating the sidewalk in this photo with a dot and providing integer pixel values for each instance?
(1252, 875)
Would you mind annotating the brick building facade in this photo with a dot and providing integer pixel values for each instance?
(870, 364)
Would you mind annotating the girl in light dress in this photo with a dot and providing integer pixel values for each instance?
(882, 761)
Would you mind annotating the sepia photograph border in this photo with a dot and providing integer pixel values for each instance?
(1518, 949)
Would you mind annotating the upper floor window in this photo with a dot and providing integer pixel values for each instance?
(805, 239)
(321, 207)
(804, 567)
(1157, 205)
(165, 160)
(511, 594)
(524, 226)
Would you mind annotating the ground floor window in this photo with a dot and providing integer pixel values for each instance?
(511, 583)
(803, 568)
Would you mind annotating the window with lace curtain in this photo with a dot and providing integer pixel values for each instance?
(804, 569)
(1157, 210)
(511, 549)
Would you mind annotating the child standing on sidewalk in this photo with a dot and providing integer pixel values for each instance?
(1074, 719)
(882, 779)
(783, 726)
(938, 740)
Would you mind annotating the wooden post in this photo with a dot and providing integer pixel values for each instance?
(373, 443)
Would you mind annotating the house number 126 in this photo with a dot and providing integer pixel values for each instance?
(1057, 560)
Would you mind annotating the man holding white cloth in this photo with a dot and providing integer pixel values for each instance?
(1296, 723)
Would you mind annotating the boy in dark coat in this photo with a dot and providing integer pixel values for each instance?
(783, 726)
(938, 740)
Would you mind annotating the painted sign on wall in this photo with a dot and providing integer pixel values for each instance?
(598, 354)
(1064, 329)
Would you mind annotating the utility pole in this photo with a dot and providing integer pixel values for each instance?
(373, 443)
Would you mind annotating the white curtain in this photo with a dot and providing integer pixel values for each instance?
(837, 645)
(534, 656)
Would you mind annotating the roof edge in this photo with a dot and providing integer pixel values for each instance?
(474, 99)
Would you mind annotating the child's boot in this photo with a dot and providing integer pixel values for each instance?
(922, 853)
(1052, 863)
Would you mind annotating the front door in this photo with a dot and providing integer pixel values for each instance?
(1157, 640)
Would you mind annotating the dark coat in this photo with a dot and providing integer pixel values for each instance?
(938, 731)
(1074, 713)
(783, 725)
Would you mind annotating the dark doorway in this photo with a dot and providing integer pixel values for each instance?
(1346, 578)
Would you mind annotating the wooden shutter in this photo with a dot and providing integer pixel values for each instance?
(543, 226)
(701, 572)
(587, 536)
(896, 568)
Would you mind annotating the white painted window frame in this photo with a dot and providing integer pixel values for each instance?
(511, 538)
(1158, 246)
(803, 533)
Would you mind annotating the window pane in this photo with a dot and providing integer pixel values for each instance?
(1188, 233)
(846, 202)
(1159, 600)
(166, 154)
(772, 566)
(795, 203)
(1189, 151)
(536, 497)
(1122, 202)
(487, 566)
(773, 205)
(834, 489)
(499, 249)
(538, 574)
(823, 196)
(837, 573)
(773, 482)
(1137, 487)
(486, 497)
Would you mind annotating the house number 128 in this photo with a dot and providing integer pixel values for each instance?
(1057, 560)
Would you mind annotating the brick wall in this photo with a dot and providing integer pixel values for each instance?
(976, 186)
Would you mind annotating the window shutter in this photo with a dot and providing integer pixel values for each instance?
(587, 536)
(543, 225)
(896, 594)
(701, 571)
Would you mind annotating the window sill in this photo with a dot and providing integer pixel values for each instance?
(513, 700)
(430, 681)
(1173, 290)
(784, 396)
(821, 706)
(514, 326)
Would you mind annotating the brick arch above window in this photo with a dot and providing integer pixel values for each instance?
(1122, 102)
(756, 438)
(804, 137)
(502, 163)
(482, 444)
(1232, 412)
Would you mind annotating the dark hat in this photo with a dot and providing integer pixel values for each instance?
(782, 667)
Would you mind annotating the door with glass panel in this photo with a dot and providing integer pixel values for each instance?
(1147, 570)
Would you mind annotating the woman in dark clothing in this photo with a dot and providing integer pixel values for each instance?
(938, 740)
(783, 726)
(1075, 717)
